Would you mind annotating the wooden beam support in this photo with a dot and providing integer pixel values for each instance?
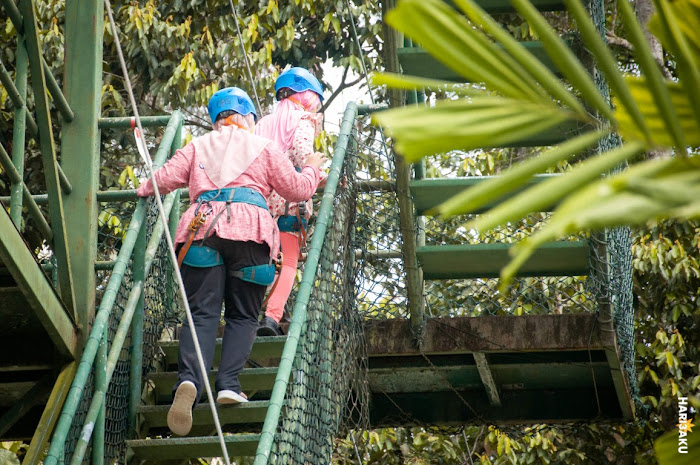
(489, 334)
(40, 294)
(48, 153)
(487, 379)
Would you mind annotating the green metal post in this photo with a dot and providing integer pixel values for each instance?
(305, 287)
(106, 305)
(173, 220)
(18, 132)
(80, 154)
(137, 336)
(48, 154)
(98, 436)
(14, 94)
(414, 273)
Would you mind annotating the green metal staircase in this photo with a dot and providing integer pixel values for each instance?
(244, 421)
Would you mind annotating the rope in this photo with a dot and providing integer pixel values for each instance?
(245, 58)
(181, 287)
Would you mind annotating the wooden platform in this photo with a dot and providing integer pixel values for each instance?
(496, 369)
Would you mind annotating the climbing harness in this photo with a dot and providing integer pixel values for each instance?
(202, 256)
(181, 286)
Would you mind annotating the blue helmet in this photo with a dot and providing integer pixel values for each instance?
(299, 80)
(230, 98)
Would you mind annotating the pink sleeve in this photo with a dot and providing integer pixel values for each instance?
(283, 178)
(173, 175)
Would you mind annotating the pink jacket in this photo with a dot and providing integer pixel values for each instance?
(271, 170)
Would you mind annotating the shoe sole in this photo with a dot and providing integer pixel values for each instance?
(267, 332)
(230, 400)
(180, 413)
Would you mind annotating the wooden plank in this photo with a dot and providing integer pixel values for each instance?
(40, 294)
(238, 445)
(489, 334)
(429, 193)
(415, 61)
(263, 347)
(252, 379)
(487, 378)
(508, 377)
(155, 416)
(469, 261)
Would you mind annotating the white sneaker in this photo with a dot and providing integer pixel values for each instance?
(230, 397)
(180, 413)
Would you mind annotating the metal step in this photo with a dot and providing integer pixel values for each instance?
(504, 6)
(429, 193)
(155, 416)
(415, 61)
(263, 347)
(252, 379)
(469, 261)
(238, 445)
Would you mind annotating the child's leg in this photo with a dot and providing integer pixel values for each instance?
(285, 282)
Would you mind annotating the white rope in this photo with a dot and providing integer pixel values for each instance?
(245, 58)
(149, 164)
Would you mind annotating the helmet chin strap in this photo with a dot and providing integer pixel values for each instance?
(228, 121)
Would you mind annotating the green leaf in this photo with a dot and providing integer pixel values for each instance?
(453, 41)
(516, 176)
(533, 66)
(551, 191)
(666, 449)
(467, 124)
(654, 78)
(656, 120)
(569, 65)
(399, 81)
(607, 64)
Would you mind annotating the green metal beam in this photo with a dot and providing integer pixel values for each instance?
(18, 132)
(504, 6)
(126, 122)
(17, 94)
(32, 206)
(39, 293)
(182, 448)
(48, 153)
(469, 261)
(429, 193)
(486, 375)
(415, 61)
(80, 146)
(263, 347)
(59, 100)
(48, 420)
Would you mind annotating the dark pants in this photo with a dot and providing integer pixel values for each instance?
(206, 289)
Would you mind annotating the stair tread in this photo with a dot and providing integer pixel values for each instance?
(250, 412)
(263, 347)
(251, 379)
(504, 6)
(244, 444)
(416, 61)
(469, 261)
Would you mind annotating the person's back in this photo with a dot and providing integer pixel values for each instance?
(226, 240)
(293, 125)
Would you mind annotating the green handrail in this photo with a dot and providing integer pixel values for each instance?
(324, 217)
(102, 316)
